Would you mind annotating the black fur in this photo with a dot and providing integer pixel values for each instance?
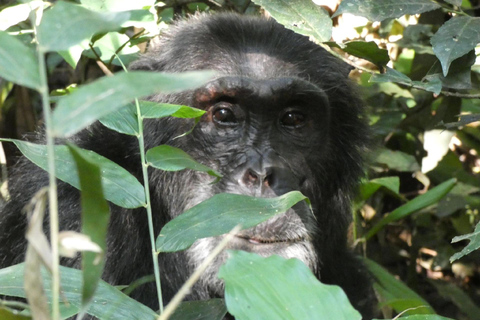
(324, 163)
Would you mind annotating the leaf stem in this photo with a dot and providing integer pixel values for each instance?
(52, 190)
(141, 144)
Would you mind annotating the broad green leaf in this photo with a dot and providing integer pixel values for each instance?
(169, 158)
(396, 160)
(422, 201)
(369, 188)
(474, 244)
(213, 309)
(459, 75)
(18, 62)
(59, 27)
(365, 50)
(108, 302)
(220, 214)
(276, 288)
(392, 75)
(375, 10)
(11, 16)
(95, 100)
(455, 38)
(119, 186)
(124, 120)
(395, 293)
(95, 217)
(303, 17)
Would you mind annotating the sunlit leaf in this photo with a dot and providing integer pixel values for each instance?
(303, 17)
(59, 27)
(18, 62)
(375, 10)
(11, 16)
(220, 214)
(169, 158)
(108, 302)
(276, 288)
(455, 38)
(474, 244)
(420, 202)
(95, 100)
(119, 186)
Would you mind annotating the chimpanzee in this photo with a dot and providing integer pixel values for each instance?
(281, 115)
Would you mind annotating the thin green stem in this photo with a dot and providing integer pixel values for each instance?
(141, 144)
(52, 190)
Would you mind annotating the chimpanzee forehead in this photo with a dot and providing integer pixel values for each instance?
(237, 87)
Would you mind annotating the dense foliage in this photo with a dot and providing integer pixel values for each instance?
(418, 67)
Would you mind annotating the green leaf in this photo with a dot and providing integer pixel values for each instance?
(220, 214)
(455, 38)
(213, 309)
(95, 100)
(392, 75)
(18, 62)
(474, 244)
(124, 120)
(119, 186)
(365, 50)
(276, 288)
(422, 201)
(59, 27)
(159, 110)
(459, 75)
(396, 160)
(396, 293)
(375, 10)
(11, 16)
(303, 17)
(369, 188)
(169, 158)
(108, 302)
(95, 217)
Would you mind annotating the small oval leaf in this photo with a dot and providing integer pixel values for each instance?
(169, 158)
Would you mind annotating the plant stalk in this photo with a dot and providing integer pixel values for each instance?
(156, 268)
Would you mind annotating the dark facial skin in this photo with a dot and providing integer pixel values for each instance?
(281, 115)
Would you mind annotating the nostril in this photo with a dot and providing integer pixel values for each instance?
(251, 176)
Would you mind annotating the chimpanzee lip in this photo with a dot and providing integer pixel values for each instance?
(260, 240)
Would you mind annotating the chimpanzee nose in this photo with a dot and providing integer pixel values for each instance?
(258, 177)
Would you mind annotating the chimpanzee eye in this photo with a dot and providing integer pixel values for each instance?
(224, 116)
(293, 119)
